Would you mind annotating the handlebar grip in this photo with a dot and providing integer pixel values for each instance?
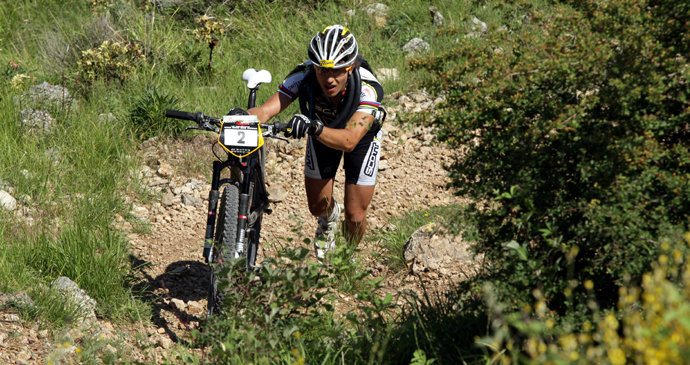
(178, 114)
(279, 127)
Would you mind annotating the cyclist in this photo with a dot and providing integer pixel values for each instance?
(340, 115)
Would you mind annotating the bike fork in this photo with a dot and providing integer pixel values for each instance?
(213, 197)
(245, 203)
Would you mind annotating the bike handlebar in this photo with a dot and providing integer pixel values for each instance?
(212, 124)
(178, 114)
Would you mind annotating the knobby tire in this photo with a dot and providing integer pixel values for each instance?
(226, 237)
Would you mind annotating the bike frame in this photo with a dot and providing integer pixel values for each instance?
(248, 168)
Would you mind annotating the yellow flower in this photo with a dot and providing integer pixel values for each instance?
(297, 334)
(617, 356)
(589, 284)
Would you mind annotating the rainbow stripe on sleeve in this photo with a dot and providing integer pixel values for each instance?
(287, 92)
(369, 105)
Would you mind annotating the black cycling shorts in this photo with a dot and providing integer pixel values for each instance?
(361, 165)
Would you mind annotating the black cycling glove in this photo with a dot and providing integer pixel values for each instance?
(237, 111)
(299, 126)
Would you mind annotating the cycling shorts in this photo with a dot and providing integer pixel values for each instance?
(361, 165)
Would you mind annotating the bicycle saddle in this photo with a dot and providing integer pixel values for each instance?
(254, 78)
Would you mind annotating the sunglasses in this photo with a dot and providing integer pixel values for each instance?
(325, 71)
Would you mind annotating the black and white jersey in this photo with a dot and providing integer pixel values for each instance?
(369, 101)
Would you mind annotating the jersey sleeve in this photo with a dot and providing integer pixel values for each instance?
(372, 93)
(291, 84)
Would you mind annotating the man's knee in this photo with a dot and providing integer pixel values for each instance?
(355, 218)
(319, 207)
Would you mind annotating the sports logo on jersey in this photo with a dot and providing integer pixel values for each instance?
(371, 162)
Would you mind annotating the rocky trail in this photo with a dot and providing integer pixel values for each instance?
(167, 233)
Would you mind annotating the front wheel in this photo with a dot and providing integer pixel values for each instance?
(225, 240)
(259, 198)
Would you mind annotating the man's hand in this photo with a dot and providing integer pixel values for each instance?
(237, 111)
(299, 126)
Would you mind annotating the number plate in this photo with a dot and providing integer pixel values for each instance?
(241, 138)
(240, 134)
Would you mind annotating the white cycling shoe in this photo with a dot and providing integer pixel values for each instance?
(324, 239)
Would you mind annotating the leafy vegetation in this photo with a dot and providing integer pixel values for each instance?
(573, 115)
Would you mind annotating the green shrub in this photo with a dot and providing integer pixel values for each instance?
(577, 128)
(148, 114)
(110, 61)
(281, 315)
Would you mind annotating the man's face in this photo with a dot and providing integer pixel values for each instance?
(332, 81)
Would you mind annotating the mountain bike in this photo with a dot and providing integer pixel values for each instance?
(233, 229)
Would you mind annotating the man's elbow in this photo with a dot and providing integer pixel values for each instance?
(349, 146)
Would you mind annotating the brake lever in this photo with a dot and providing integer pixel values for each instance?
(279, 137)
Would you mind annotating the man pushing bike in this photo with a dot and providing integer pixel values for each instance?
(340, 115)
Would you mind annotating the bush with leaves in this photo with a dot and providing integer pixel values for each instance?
(282, 315)
(110, 61)
(577, 128)
(651, 327)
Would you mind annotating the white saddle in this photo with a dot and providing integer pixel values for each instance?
(255, 78)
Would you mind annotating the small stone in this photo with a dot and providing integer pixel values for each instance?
(42, 334)
(277, 193)
(479, 23)
(7, 201)
(10, 317)
(165, 170)
(161, 330)
(195, 307)
(350, 13)
(168, 199)
(179, 304)
(192, 200)
(383, 165)
(418, 97)
(107, 118)
(164, 342)
(416, 46)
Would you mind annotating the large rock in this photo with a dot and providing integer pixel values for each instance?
(384, 74)
(376, 9)
(16, 297)
(416, 46)
(48, 95)
(77, 298)
(7, 201)
(36, 122)
(431, 247)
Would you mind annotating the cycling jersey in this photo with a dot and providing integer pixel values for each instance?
(321, 161)
(369, 100)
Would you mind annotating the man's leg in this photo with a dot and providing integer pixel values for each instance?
(319, 196)
(357, 199)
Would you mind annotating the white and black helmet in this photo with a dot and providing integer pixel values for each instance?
(334, 47)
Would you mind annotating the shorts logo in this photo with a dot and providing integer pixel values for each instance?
(308, 158)
(371, 162)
